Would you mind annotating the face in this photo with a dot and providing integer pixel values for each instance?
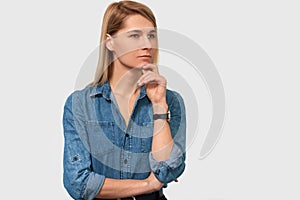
(135, 44)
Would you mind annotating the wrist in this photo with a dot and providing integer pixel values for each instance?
(160, 108)
(148, 185)
(152, 184)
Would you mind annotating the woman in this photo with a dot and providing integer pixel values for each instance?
(120, 141)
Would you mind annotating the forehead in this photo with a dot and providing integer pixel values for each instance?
(138, 22)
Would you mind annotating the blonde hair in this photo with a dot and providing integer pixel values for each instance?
(113, 21)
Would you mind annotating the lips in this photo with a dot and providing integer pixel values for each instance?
(145, 56)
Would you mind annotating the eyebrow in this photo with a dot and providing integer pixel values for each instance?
(140, 31)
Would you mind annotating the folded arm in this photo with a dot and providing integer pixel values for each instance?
(83, 183)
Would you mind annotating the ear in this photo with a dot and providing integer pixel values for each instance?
(109, 42)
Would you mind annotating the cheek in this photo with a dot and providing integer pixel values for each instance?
(124, 48)
(129, 56)
(129, 59)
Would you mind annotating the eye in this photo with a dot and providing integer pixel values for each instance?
(134, 36)
(151, 36)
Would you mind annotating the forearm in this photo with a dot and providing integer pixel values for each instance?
(169, 163)
(162, 142)
(115, 188)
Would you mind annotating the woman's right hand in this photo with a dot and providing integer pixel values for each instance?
(153, 183)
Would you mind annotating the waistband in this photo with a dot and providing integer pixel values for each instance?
(158, 195)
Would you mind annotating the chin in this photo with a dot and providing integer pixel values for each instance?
(146, 62)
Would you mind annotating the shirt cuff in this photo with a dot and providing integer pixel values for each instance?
(93, 186)
(168, 170)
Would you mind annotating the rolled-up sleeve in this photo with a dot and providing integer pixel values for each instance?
(78, 178)
(168, 170)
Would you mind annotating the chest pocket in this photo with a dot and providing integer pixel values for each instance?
(101, 137)
(146, 133)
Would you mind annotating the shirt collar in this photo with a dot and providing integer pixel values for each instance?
(105, 91)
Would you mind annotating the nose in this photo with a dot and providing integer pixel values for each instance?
(146, 43)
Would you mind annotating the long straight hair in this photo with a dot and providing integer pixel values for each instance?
(113, 20)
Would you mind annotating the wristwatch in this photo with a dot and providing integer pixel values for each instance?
(166, 116)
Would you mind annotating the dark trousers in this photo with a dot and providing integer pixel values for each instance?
(152, 196)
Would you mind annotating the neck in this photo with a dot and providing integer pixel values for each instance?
(124, 80)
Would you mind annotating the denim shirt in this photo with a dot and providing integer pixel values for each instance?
(99, 145)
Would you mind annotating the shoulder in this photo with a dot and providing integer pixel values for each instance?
(80, 96)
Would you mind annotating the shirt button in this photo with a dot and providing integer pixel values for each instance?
(126, 135)
(125, 161)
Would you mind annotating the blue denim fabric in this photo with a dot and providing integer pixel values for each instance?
(98, 144)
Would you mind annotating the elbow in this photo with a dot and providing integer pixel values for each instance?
(167, 175)
(72, 188)
(178, 171)
(84, 187)
(169, 170)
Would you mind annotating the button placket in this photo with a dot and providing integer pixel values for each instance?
(126, 151)
(125, 164)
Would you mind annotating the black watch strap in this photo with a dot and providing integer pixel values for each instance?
(162, 116)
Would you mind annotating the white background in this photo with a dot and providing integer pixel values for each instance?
(254, 45)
